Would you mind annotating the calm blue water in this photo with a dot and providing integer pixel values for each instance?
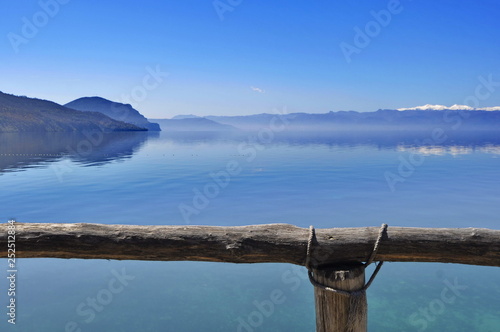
(140, 178)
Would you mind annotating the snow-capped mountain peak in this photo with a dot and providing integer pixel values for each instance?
(429, 107)
(461, 107)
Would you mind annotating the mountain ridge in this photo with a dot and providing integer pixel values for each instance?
(24, 114)
(114, 110)
(20, 113)
(383, 119)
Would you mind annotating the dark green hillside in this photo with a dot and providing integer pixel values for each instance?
(23, 114)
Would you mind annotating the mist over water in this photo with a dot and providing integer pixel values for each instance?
(210, 178)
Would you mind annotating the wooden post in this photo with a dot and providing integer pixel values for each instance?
(338, 312)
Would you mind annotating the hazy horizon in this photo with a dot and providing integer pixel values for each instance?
(284, 110)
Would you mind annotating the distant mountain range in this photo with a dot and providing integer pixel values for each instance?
(192, 124)
(378, 120)
(116, 111)
(23, 114)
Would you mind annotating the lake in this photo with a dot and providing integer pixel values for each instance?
(326, 180)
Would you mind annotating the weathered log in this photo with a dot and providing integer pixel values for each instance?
(280, 243)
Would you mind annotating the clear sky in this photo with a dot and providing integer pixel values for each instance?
(245, 57)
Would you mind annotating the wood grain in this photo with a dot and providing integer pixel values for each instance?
(280, 243)
(336, 312)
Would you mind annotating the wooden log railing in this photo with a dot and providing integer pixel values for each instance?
(335, 256)
(279, 243)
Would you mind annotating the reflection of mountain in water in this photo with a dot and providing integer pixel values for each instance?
(26, 150)
(392, 139)
(418, 141)
(454, 150)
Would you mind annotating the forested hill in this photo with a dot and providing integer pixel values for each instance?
(117, 111)
(23, 114)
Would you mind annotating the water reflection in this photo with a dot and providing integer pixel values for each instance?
(414, 141)
(27, 150)
(455, 150)
(20, 151)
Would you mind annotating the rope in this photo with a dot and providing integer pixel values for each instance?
(312, 234)
(354, 296)
(381, 232)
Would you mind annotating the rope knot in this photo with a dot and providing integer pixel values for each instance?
(312, 235)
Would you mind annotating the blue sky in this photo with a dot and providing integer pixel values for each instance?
(251, 56)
